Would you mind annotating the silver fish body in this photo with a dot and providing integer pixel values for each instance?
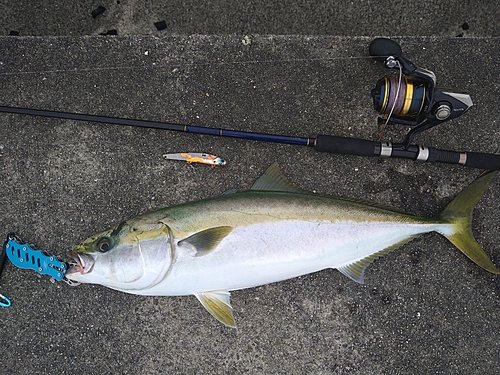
(273, 232)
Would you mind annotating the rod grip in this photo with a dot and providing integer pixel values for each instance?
(483, 161)
(346, 146)
(469, 159)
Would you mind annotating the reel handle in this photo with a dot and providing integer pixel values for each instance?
(381, 48)
(361, 147)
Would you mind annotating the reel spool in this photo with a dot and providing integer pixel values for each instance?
(404, 98)
(412, 98)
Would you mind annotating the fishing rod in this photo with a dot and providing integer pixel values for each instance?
(410, 99)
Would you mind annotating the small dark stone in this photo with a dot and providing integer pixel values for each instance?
(99, 10)
(14, 32)
(465, 26)
(459, 35)
(162, 25)
(110, 32)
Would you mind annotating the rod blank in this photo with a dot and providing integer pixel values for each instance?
(322, 143)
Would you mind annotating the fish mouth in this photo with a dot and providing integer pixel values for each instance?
(84, 263)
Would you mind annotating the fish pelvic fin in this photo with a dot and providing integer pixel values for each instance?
(459, 214)
(217, 303)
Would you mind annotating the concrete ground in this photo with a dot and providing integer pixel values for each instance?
(270, 17)
(424, 308)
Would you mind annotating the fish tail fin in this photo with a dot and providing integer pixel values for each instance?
(459, 214)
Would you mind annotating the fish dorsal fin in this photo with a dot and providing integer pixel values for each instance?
(274, 180)
(218, 304)
(207, 240)
(356, 270)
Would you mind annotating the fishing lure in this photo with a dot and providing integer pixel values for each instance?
(197, 157)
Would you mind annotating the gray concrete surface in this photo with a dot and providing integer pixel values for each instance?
(285, 17)
(424, 308)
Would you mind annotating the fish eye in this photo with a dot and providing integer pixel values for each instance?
(104, 244)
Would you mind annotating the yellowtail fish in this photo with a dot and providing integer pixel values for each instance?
(197, 157)
(273, 232)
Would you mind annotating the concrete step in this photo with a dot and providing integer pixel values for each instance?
(424, 307)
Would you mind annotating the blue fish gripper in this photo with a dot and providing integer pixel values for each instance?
(23, 256)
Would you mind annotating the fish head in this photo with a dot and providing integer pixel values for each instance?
(131, 256)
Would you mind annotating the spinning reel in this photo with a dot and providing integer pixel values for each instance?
(412, 99)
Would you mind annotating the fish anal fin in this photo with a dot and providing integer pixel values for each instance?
(274, 180)
(356, 270)
(218, 304)
(207, 240)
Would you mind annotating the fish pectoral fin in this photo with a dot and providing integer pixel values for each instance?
(356, 270)
(207, 240)
(217, 303)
